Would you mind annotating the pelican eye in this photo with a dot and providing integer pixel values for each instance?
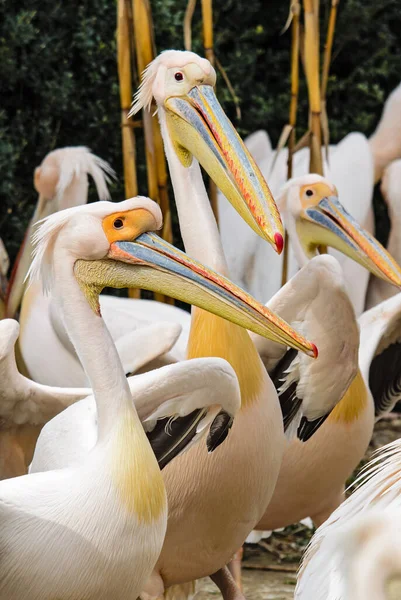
(178, 76)
(309, 192)
(118, 224)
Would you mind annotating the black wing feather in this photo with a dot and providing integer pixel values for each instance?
(169, 439)
(385, 379)
(289, 402)
(307, 428)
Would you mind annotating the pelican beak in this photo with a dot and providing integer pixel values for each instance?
(198, 127)
(16, 284)
(330, 224)
(151, 263)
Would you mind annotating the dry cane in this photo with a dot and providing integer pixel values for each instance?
(125, 80)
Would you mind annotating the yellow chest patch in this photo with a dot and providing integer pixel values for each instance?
(135, 472)
(352, 404)
(213, 336)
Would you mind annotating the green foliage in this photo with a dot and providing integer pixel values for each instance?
(59, 79)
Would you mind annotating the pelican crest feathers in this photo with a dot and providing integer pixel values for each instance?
(74, 161)
(155, 74)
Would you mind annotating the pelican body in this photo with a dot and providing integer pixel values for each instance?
(95, 528)
(313, 473)
(214, 501)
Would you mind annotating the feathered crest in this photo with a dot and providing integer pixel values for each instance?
(166, 60)
(43, 240)
(144, 95)
(48, 229)
(76, 160)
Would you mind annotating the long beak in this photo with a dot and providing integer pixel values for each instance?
(198, 126)
(160, 267)
(329, 223)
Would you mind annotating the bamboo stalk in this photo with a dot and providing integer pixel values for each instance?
(144, 55)
(296, 9)
(125, 80)
(207, 16)
(124, 75)
(207, 19)
(312, 77)
(325, 71)
(155, 158)
(189, 13)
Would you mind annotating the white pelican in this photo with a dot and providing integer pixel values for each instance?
(327, 570)
(62, 181)
(214, 501)
(391, 192)
(25, 406)
(379, 360)
(313, 474)
(95, 529)
(351, 166)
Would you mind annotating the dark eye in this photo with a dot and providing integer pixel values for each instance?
(118, 223)
(178, 76)
(309, 192)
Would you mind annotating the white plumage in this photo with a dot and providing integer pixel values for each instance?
(325, 572)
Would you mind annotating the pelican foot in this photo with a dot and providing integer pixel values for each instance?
(234, 567)
(226, 584)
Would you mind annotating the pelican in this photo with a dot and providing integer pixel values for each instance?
(313, 474)
(61, 182)
(25, 406)
(369, 520)
(390, 189)
(214, 501)
(96, 528)
(379, 360)
(353, 165)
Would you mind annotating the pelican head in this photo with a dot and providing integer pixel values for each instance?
(61, 181)
(108, 244)
(315, 216)
(182, 84)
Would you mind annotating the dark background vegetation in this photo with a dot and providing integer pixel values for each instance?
(59, 85)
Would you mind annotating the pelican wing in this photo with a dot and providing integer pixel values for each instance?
(179, 403)
(138, 348)
(173, 394)
(289, 402)
(315, 303)
(385, 379)
(380, 353)
(23, 401)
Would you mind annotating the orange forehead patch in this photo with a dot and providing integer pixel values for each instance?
(128, 225)
(320, 190)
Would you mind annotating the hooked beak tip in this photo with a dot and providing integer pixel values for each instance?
(279, 241)
(315, 350)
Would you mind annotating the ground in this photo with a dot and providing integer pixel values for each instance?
(269, 568)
